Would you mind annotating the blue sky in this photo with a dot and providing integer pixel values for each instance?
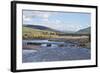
(62, 21)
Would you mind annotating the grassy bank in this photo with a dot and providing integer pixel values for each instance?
(29, 33)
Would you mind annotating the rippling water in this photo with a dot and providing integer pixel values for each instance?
(55, 54)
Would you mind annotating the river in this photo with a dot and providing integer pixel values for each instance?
(45, 54)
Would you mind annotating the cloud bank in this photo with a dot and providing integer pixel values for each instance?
(52, 20)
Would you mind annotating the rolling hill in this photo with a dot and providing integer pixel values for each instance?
(37, 32)
(42, 32)
(39, 27)
(84, 31)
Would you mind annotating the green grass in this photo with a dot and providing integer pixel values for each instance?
(30, 33)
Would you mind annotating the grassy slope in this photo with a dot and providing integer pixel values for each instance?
(29, 33)
(31, 30)
(85, 31)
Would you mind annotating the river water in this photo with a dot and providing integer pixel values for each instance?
(45, 54)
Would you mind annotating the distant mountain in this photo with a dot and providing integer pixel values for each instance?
(44, 28)
(84, 31)
(39, 27)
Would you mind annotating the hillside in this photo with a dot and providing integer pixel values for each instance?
(84, 31)
(39, 27)
(29, 33)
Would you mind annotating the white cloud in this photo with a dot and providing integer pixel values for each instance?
(71, 27)
(59, 25)
(66, 27)
(55, 24)
(46, 15)
(29, 15)
(26, 18)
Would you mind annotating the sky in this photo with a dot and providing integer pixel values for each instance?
(62, 21)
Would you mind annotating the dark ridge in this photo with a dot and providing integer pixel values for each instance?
(38, 27)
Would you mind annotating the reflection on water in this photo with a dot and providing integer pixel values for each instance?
(54, 53)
